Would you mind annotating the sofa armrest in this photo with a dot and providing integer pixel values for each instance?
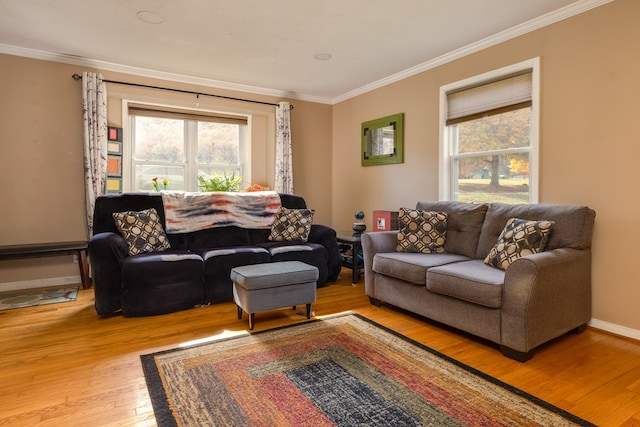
(373, 243)
(106, 252)
(326, 236)
(545, 296)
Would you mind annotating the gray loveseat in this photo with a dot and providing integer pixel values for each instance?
(537, 298)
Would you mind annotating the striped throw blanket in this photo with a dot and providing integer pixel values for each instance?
(186, 212)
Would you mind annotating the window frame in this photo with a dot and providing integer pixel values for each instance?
(446, 163)
(190, 164)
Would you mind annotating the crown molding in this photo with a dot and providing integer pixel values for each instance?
(529, 26)
(149, 73)
(503, 36)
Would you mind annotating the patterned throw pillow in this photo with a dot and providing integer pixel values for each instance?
(291, 225)
(421, 231)
(142, 231)
(519, 238)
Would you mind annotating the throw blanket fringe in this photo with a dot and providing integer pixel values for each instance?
(186, 212)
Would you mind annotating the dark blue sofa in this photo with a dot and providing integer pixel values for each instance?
(196, 270)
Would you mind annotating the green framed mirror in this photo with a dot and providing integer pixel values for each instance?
(383, 141)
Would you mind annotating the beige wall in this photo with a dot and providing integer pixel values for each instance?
(41, 165)
(41, 190)
(589, 149)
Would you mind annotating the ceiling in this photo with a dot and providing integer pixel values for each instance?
(268, 46)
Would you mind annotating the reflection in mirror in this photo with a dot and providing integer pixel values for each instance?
(380, 141)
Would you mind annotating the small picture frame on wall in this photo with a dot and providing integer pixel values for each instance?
(114, 133)
(114, 147)
(114, 185)
(114, 166)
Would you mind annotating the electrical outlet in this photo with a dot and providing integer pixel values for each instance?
(75, 258)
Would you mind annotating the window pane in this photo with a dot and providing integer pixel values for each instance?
(159, 139)
(181, 150)
(208, 171)
(145, 173)
(218, 143)
(487, 179)
(498, 132)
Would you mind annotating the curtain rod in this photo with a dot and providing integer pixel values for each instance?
(77, 76)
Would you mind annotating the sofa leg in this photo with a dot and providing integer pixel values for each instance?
(375, 301)
(580, 329)
(519, 356)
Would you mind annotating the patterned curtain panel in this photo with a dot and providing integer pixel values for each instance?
(94, 115)
(284, 164)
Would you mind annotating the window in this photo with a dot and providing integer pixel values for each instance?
(181, 145)
(489, 137)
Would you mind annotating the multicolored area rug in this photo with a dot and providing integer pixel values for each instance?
(344, 371)
(42, 296)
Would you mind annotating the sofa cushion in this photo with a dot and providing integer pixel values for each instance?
(573, 224)
(220, 237)
(142, 231)
(411, 267)
(464, 223)
(472, 281)
(520, 237)
(310, 253)
(159, 283)
(421, 231)
(291, 225)
(217, 267)
(107, 204)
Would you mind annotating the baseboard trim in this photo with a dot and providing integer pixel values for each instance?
(39, 283)
(615, 329)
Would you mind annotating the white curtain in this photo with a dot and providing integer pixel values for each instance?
(284, 163)
(94, 115)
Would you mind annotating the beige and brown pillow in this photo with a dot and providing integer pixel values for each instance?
(520, 237)
(291, 225)
(142, 231)
(421, 231)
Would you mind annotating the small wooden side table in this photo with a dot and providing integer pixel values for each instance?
(352, 239)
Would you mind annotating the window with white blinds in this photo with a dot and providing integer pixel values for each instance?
(494, 97)
(489, 136)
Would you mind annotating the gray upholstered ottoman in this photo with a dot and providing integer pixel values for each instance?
(261, 287)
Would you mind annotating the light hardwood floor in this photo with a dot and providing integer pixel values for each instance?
(61, 365)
